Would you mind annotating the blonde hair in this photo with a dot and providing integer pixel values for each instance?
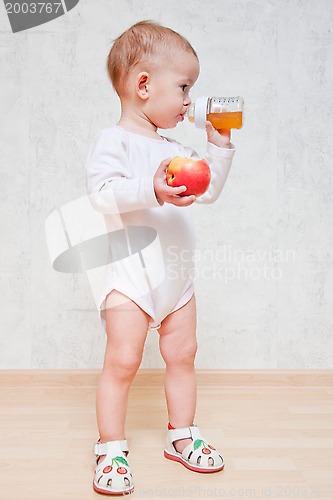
(138, 44)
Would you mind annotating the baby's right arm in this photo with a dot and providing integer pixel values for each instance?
(111, 185)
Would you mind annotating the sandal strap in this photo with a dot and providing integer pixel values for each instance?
(110, 447)
(186, 432)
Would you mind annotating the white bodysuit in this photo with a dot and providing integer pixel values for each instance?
(149, 245)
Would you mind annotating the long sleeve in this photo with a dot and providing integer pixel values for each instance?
(111, 184)
(219, 160)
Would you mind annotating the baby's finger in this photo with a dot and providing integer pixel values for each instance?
(164, 165)
(175, 190)
(209, 126)
(184, 201)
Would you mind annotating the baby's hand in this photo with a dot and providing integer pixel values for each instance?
(168, 194)
(220, 138)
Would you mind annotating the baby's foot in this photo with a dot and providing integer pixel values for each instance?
(180, 444)
(113, 473)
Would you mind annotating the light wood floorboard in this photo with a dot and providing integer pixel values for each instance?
(274, 429)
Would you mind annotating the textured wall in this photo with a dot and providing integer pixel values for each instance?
(264, 261)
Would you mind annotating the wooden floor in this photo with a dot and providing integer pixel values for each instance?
(275, 431)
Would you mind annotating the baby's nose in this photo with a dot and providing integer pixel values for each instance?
(187, 101)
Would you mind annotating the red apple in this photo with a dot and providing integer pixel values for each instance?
(194, 174)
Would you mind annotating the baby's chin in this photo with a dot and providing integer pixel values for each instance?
(165, 126)
(164, 122)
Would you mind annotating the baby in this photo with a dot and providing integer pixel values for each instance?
(148, 282)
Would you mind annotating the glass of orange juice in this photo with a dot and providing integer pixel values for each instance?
(224, 113)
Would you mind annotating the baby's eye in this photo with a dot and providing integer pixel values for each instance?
(183, 87)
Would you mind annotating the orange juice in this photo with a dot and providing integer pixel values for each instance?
(224, 113)
(226, 120)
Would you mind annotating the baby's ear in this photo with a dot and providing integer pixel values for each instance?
(142, 88)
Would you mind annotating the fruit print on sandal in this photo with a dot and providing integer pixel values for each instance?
(198, 456)
(206, 450)
(116, 460)
(113, 474)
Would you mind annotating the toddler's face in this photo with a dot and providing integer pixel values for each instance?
(169, 88)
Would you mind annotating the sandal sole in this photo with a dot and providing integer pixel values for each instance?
(107, 492)
(177, 458)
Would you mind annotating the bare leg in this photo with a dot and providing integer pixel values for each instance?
(178, 347)
(127, 327)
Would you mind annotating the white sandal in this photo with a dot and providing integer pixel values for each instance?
(113, 474)
(198, 455)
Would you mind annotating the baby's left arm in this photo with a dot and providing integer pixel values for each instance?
(219, 155)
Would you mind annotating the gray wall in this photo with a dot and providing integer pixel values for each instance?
(264, 261)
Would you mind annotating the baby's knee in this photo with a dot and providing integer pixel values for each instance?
(181, 355)
(123, 364)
